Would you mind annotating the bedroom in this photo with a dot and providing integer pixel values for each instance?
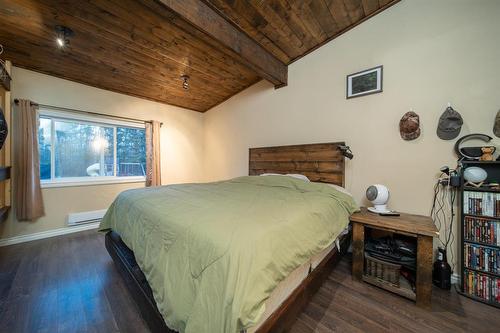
(223, 77)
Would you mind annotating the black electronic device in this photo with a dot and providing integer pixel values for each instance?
(389, 213)
(452, 179)
(441, 274)
(455, 180)
(346, 151)
(394, 250)
(472, 153)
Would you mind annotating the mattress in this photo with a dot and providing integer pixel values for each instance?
(286, 287)
(141, 291)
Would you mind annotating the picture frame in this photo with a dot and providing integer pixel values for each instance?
(366, 82)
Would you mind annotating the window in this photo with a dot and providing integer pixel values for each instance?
(78, 149)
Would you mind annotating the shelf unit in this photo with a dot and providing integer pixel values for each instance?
(493, 170)
(416, 228)
(481, 189)
(481, 243)
(404, 289)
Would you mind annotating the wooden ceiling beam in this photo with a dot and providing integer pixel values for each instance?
(243, 48)
(244, 20)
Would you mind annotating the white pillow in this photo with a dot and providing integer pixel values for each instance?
(298, 176)
(294, 175)
(339, 188)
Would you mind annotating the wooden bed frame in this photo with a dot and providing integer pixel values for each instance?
(322, 162)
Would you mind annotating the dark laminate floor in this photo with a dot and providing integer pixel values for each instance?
(69, 284)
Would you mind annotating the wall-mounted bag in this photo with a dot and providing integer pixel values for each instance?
(3, 129)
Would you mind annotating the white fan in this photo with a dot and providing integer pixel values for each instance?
(378, 195)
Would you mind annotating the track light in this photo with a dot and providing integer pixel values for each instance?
(62, 35)
(185, 81)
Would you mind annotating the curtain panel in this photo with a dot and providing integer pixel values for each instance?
(28, 199)
(153, 164)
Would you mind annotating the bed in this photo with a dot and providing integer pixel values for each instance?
(251, 265)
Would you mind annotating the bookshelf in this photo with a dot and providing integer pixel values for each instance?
(480, 237)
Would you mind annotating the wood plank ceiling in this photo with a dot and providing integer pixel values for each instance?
(142, 47)
(290, 29)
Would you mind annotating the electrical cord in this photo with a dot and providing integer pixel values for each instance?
(434, 215)
(438, 207)
(443, 213)
(451, 237)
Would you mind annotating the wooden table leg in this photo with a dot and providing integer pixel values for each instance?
(424, 271)
(358, 249)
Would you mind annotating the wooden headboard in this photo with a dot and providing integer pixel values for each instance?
(320, 162)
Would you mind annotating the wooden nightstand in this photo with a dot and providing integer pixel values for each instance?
(420, 227)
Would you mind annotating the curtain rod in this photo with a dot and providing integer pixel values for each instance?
(16, 101)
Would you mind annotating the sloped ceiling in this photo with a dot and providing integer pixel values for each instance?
(143, 47)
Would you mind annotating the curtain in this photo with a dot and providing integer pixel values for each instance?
(27, 192)
(153, 165)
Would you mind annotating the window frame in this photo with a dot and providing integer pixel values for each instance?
(103, 121)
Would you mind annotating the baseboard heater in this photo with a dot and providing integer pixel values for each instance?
(85, 217)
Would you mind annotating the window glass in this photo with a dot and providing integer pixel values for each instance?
(82, 150)
(44, 146)
(130, 151)
(79, 149)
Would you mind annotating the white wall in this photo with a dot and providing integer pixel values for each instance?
(181, 144)
(433, 52)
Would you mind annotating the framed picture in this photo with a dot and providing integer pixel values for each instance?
(365, 82)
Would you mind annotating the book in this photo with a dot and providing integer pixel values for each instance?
(482, 286)
(481, 203)
(482, 230)
(482, 258)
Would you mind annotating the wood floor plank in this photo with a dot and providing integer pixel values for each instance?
(70, 284)
(43, 296)
(70, 310)
(354, 304)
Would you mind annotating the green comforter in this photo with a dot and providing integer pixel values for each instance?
(213, 253)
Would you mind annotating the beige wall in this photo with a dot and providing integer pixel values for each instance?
(433, 52)
(181, 144)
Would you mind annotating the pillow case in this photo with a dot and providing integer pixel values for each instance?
(304, 178)
(339, 188)
(294, 175)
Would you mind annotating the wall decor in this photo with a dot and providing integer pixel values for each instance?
(409, 126)
(496, 126)
(450, 123)
(365, 82)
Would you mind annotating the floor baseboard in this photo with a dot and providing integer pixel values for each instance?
(47, 234)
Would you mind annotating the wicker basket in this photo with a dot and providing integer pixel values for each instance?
(382, 270)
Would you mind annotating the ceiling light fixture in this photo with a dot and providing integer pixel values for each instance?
(185, 81)
(62, 35)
